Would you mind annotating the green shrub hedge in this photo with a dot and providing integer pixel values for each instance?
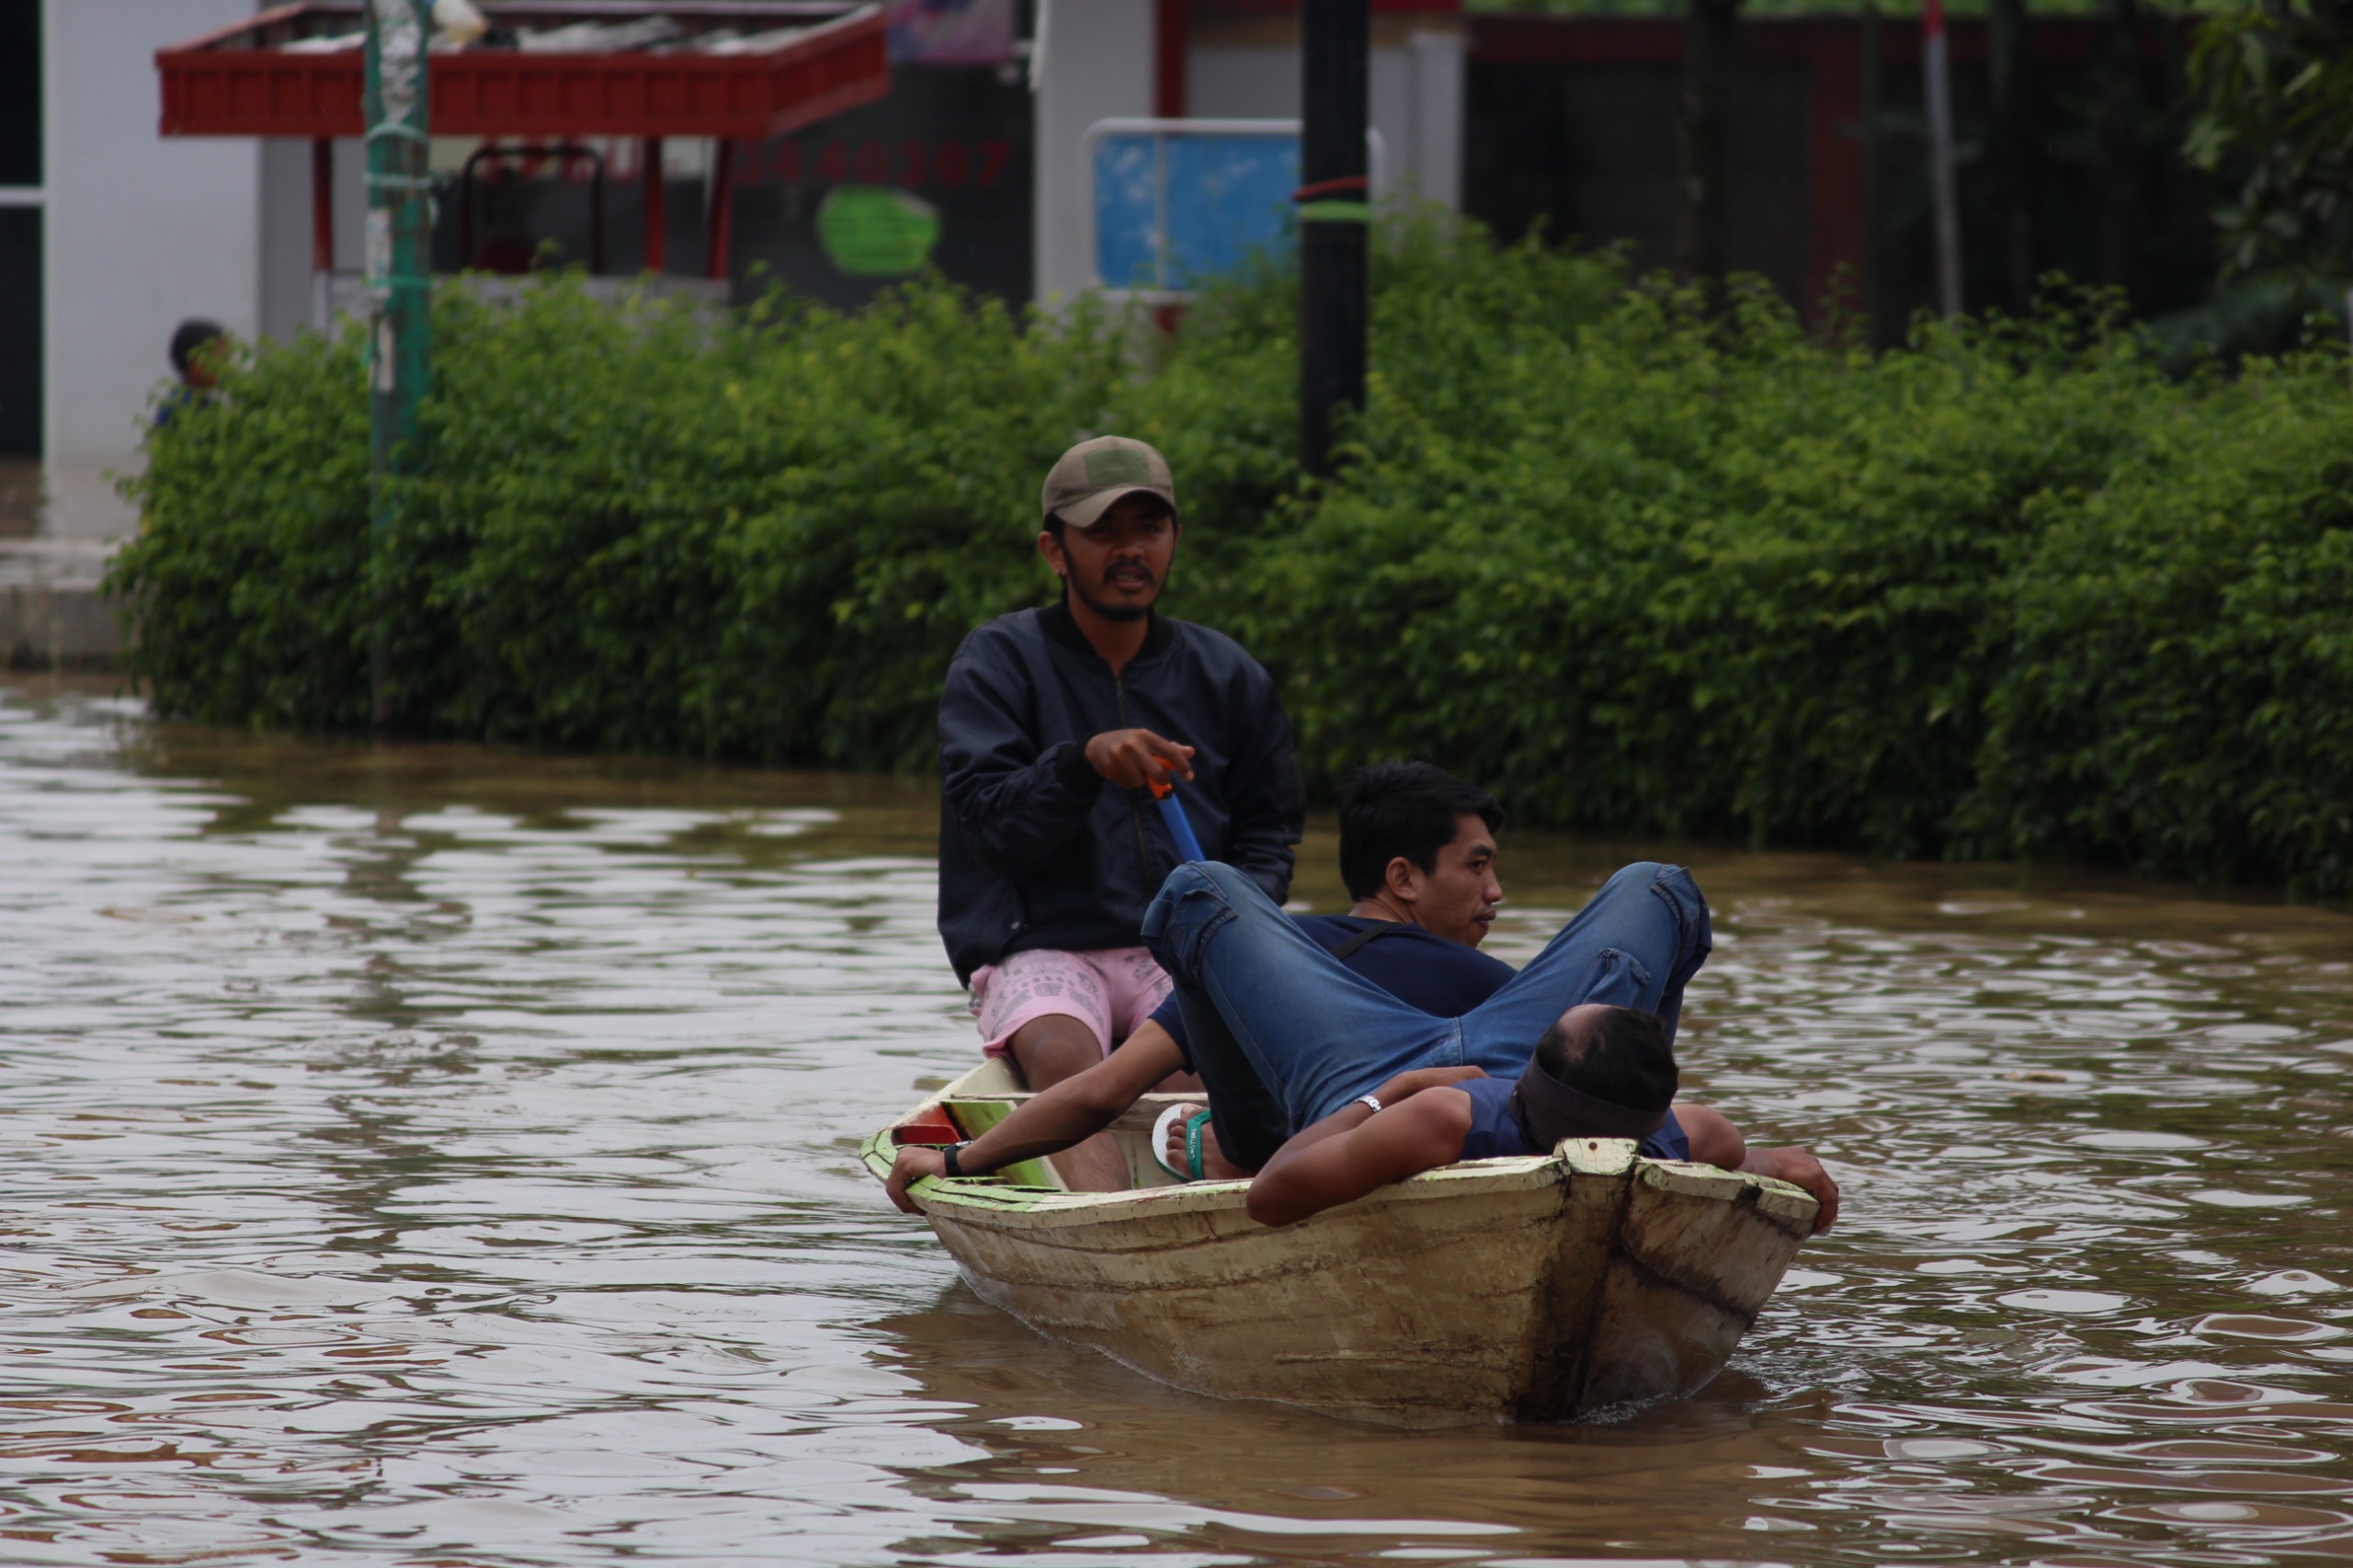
(1642, 568)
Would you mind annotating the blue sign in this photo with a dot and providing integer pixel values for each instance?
(1176, 208)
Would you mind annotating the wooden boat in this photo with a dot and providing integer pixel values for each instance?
(1532, 1289)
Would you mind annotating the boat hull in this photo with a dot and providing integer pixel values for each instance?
(1535, 1289)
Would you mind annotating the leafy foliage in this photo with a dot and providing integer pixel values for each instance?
(2274, 82)
(1639, 566)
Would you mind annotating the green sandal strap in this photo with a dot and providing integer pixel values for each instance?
(1193, 1125)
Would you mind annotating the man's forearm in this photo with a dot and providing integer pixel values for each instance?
(1070, 1112)
(1355, 1151)
(1014, 820)
(1078, 1108)
(1354, 1114)
(1800, 1168)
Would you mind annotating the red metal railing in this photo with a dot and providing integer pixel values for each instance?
(243, 80)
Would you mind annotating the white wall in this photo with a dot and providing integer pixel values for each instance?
(1097, 65)
(284, 303)
(1416, 102)
(1431, 156)
(288, 299)
(141, 232)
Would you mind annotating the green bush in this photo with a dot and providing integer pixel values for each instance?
(2176, 663)
(247, 576)
(1676, 576)
(1640, 566)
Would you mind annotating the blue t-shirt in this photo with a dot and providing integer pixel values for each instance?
(1495, 1132)
(1419, 968)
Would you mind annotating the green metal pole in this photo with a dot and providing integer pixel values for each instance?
(400, 327)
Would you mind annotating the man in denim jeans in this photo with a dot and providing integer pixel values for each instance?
(1269, 1011)
(1356, 1068)
(1251, 982)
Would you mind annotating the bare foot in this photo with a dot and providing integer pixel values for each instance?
(1215, 1167)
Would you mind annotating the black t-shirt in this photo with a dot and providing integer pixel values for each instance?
(1420, 968)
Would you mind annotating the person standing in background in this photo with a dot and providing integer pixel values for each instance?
(196, 347)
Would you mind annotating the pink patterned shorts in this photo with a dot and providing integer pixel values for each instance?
(1111, 992)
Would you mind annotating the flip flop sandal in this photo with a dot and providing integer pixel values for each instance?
(1193, 1126)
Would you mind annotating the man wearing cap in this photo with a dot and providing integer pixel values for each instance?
(1055, 727)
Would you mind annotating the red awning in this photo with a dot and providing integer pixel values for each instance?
(747, 69)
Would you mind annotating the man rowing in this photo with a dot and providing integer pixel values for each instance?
(1055, 727)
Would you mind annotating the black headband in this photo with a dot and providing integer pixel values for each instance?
(1549, 1110)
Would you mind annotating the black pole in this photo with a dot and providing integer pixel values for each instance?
(1335, 219)
(2010, 55)
(1874, 193)
(1703, 241)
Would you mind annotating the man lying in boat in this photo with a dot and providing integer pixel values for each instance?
(1417, 851)
(1600, 1071)
(1578, 1043)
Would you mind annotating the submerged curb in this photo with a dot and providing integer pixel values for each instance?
(52, 615)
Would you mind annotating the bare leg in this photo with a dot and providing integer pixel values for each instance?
(1048, 1049)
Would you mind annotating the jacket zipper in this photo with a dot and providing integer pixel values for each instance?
(1136, 810)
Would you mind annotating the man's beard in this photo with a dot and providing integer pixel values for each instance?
(1113, 611)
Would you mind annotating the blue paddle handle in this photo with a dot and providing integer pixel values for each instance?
(1172, 812)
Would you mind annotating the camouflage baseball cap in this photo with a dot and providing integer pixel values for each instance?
(1086, 481)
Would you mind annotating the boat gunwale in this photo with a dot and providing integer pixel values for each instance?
(984, 1200)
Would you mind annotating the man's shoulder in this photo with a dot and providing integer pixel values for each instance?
(1471, 958)
(1490, 1091)
(1332, 930)
(1214, 651)
(1457, 957)
(1014, 625)
(997, 639)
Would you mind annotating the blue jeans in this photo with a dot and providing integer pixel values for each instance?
(1318, 1035)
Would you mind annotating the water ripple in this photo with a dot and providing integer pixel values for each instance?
(448, 1155)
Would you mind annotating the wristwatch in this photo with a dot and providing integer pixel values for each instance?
(950, 1157)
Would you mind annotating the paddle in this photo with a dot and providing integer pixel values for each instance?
(1180, 828)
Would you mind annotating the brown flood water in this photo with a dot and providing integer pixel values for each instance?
(440, 1155)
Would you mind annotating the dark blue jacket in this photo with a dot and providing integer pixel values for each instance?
(1036, 851)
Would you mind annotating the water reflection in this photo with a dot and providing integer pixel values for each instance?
(447, 1156)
